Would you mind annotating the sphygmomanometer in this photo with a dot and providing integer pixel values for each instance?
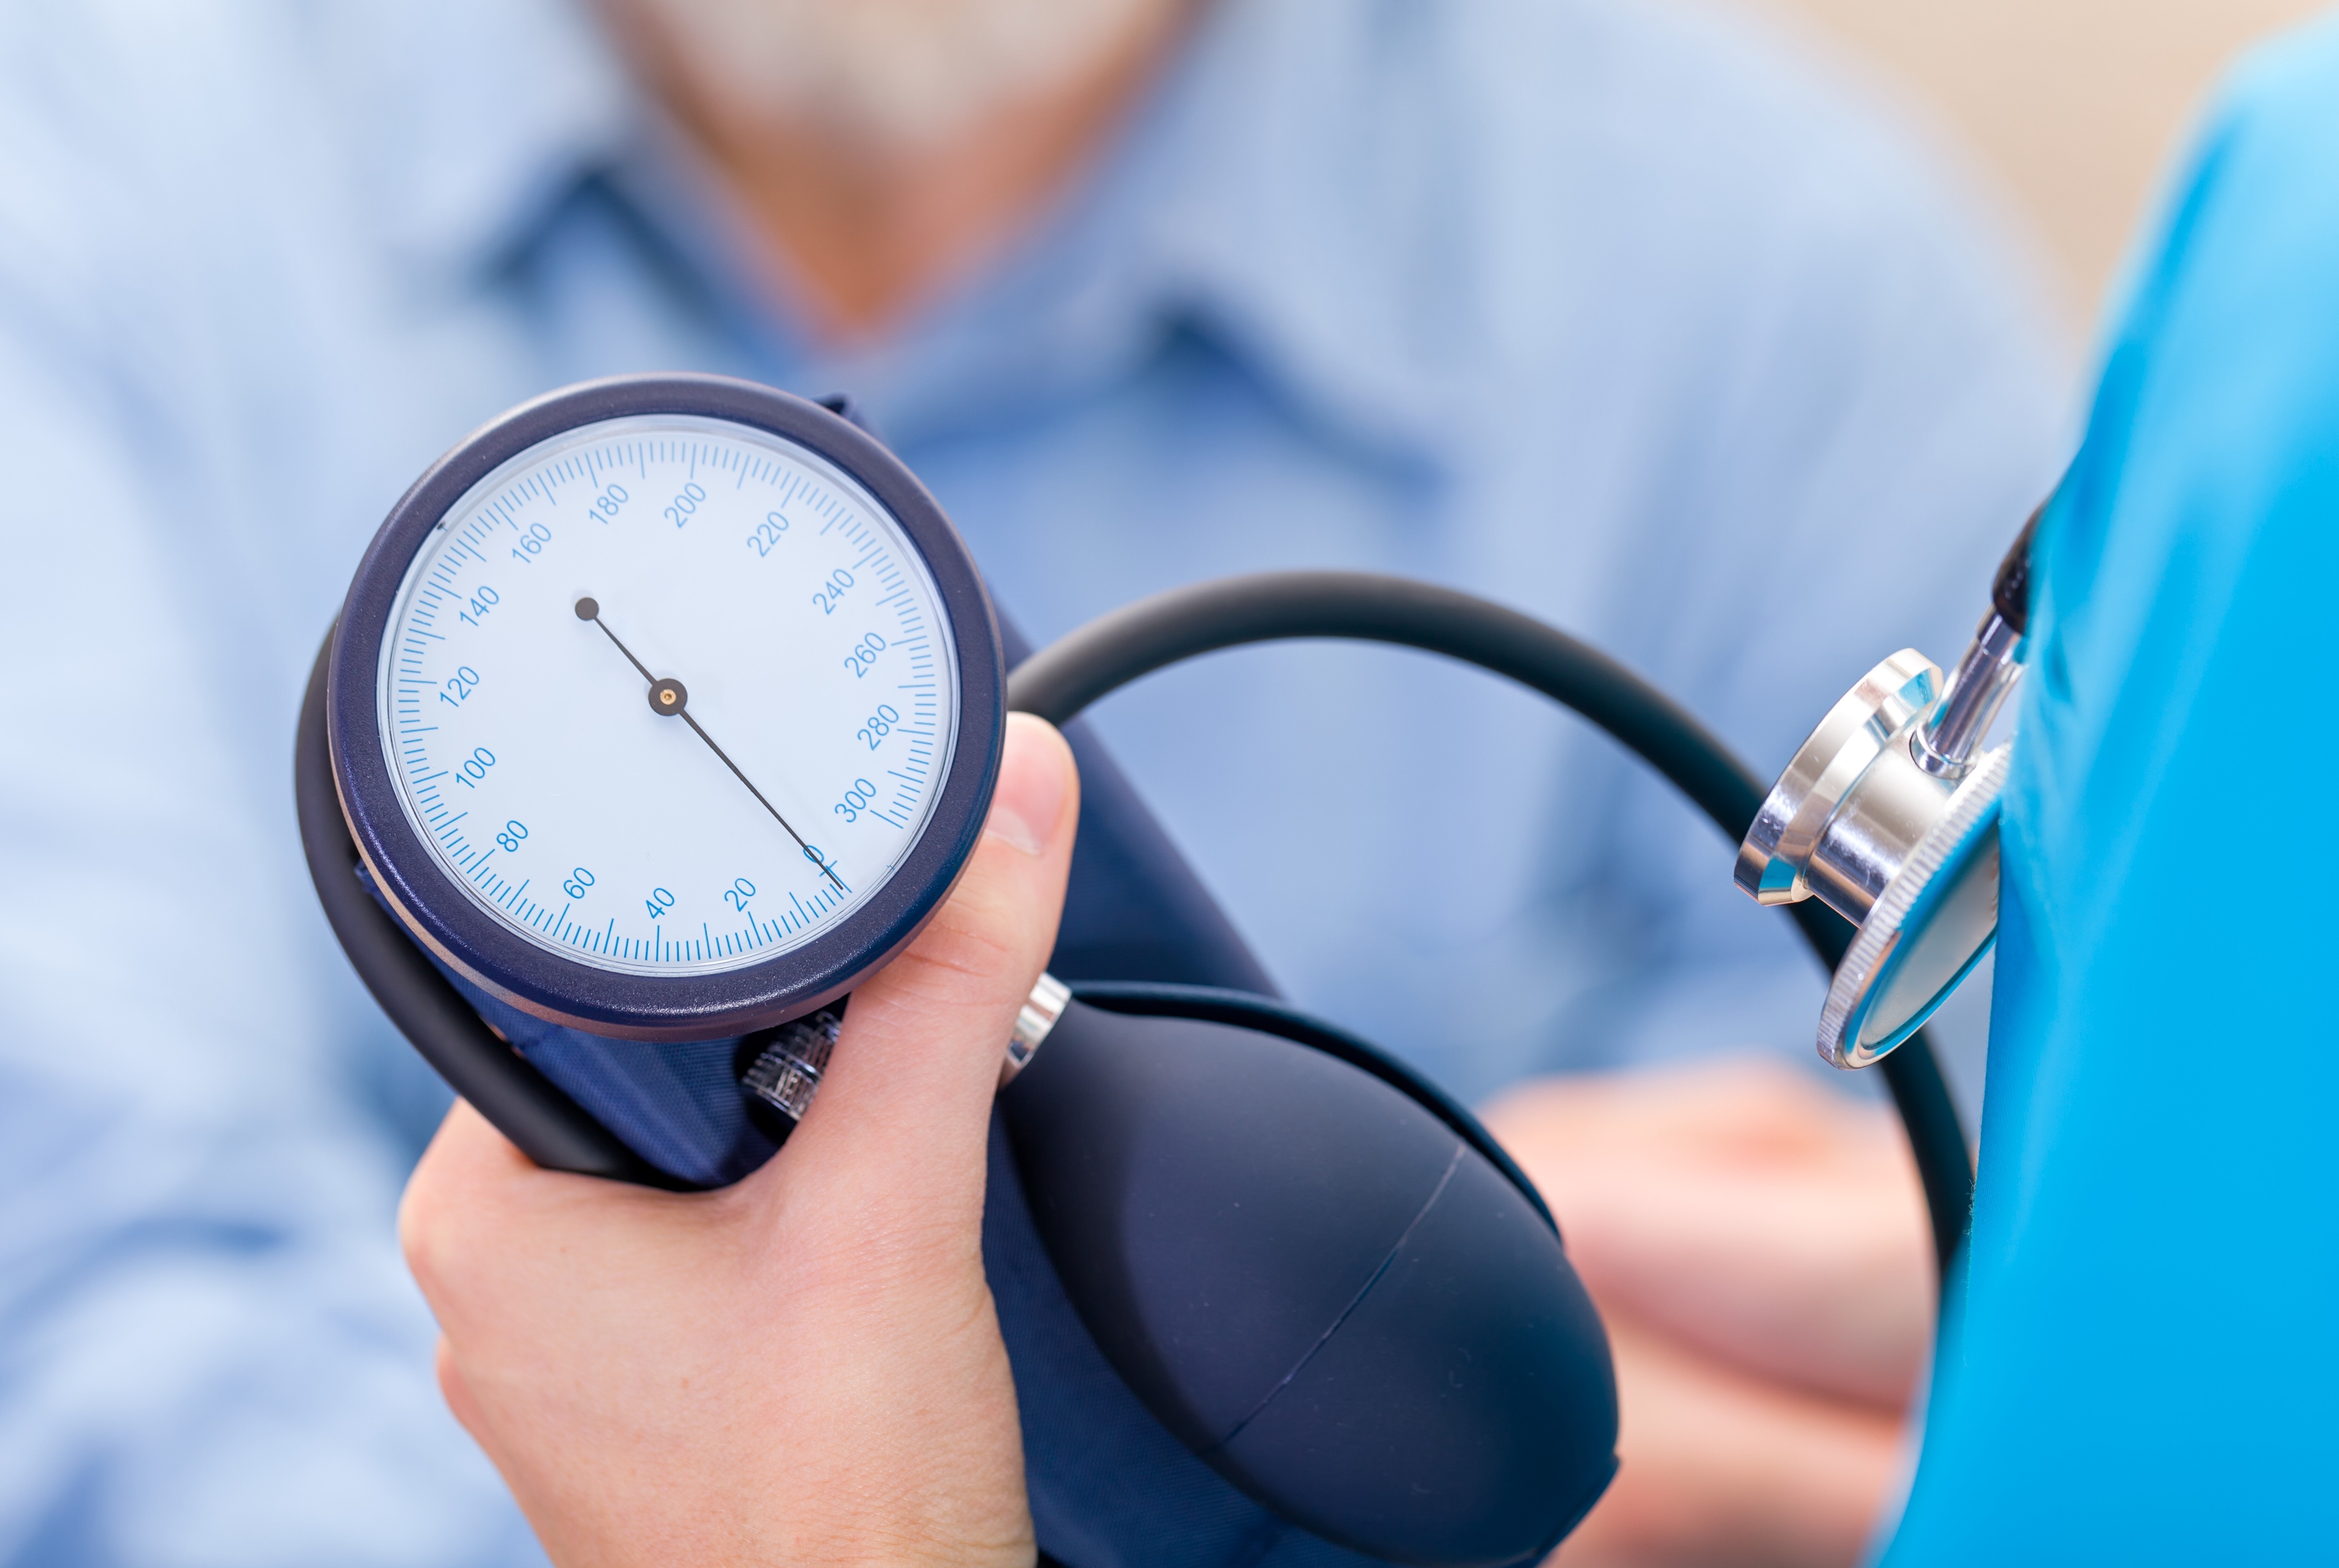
(664, 711)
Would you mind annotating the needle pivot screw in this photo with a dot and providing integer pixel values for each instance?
(667, 696)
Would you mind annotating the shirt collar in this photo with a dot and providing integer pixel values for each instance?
(1228, 207)
(1239, 202)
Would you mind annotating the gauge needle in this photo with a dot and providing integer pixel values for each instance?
(670, 699)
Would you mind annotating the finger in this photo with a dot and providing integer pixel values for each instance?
(477, 1212)
(457, 1392)
(1746, 1214)
(1746, 1211)
(1731, 1109)
(908, 1093)
(1720, 1467)
(459, 1181)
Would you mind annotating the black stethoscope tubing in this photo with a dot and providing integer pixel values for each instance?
(1063, 679)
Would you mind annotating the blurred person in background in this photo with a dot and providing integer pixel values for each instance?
(1614, 311)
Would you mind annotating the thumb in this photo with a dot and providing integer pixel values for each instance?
(906, 1099)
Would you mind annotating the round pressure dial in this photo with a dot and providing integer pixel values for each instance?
(665, 707)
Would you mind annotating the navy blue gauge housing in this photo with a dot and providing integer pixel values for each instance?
(851, 726)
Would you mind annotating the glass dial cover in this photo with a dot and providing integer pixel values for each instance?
(664, 695)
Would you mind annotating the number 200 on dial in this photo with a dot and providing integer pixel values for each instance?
(667, 694)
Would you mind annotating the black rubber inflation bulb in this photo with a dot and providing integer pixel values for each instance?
(1309, 1276)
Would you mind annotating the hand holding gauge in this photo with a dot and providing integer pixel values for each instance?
(831, 621)
(815, 591)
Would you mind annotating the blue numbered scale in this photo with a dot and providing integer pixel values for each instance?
(665, 708)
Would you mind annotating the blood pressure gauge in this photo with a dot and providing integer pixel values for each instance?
(665, 708)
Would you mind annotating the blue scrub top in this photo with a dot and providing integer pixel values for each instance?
(2144, 1366)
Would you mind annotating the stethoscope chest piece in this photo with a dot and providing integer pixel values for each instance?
(1842, 817)
(1934, 921)
(1897, 832)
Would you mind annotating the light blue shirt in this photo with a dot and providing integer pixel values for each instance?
(1604, 309)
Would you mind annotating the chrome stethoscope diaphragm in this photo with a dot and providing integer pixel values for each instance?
(1888, 815)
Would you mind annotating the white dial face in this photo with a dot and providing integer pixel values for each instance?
(668, 694)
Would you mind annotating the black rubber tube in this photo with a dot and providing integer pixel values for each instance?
(1063, 679)
(527, 1108)
(2009, 591)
